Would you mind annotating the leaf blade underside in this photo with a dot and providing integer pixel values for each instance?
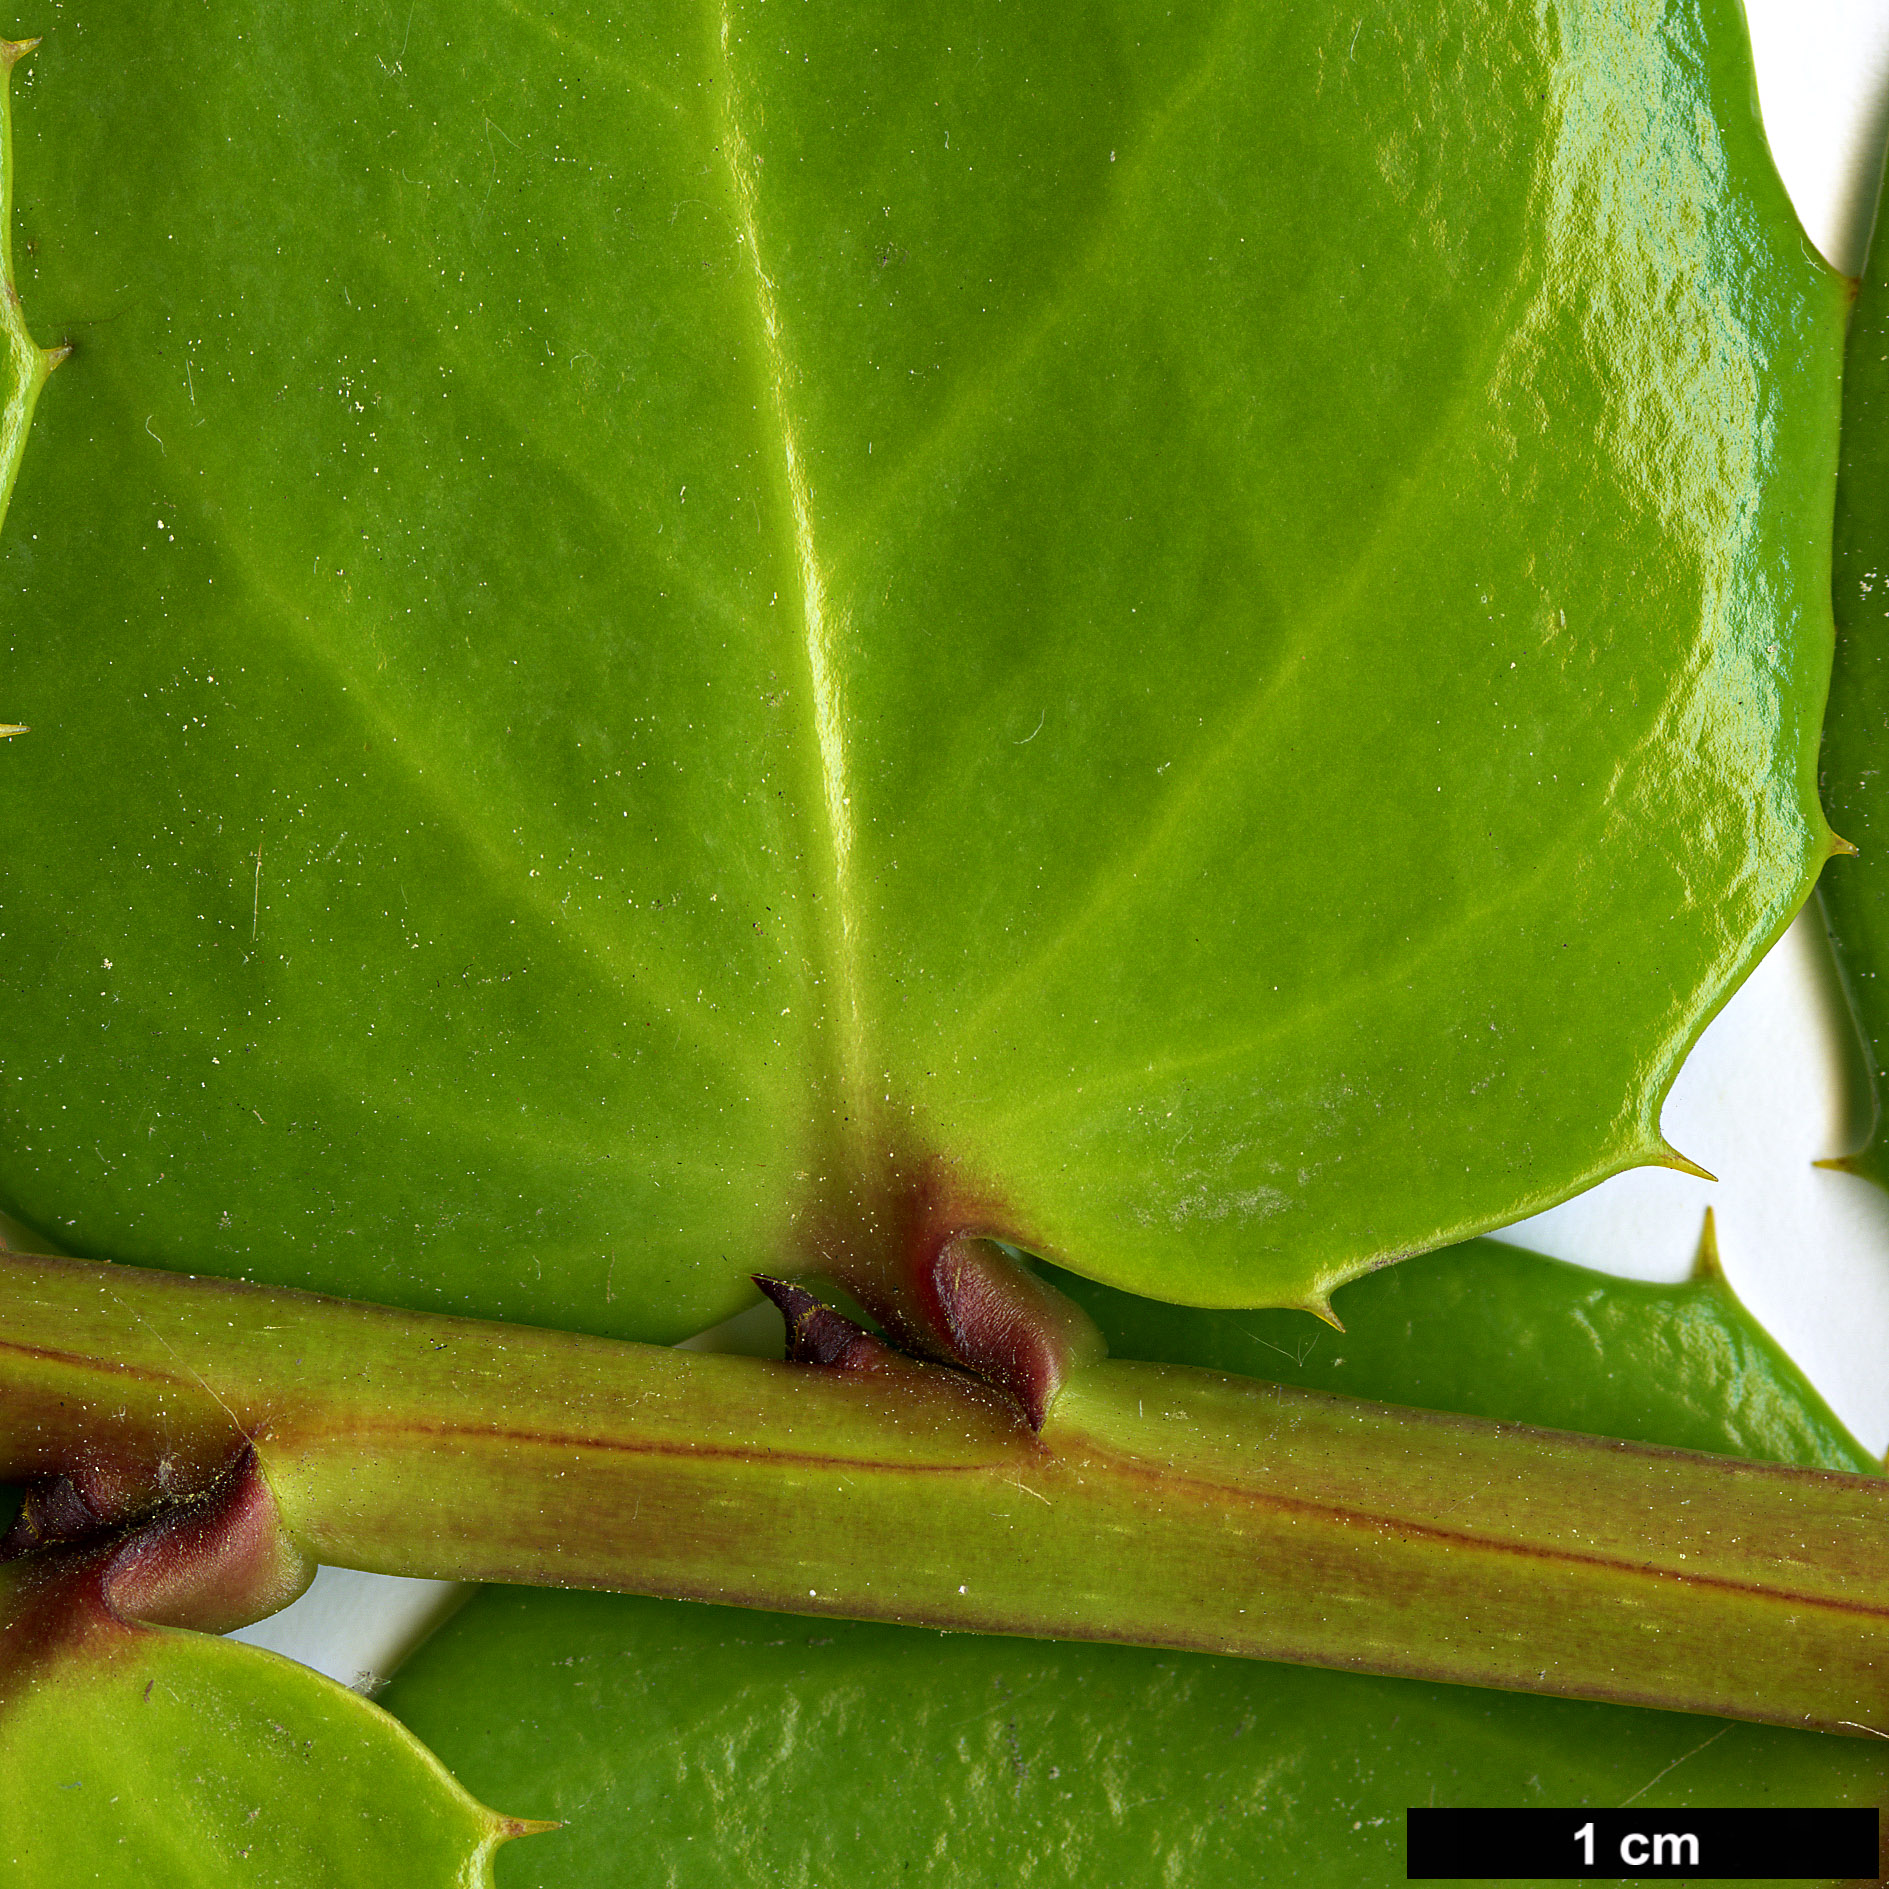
(635, 658)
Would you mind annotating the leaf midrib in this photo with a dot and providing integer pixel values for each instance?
(839, 1040)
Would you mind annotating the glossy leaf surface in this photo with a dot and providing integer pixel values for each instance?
(690, 1744)
(176, 1760)
(698, 1745)
(1856, 728)
(674, 638)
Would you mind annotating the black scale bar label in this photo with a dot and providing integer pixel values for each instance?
(1627, 1845)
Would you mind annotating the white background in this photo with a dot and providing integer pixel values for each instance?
(1775, 1084)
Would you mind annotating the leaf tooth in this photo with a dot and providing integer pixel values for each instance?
(12, 51)
(1840, 848)
(1707, 1267)
(1665, 1155)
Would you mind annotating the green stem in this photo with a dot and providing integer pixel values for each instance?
(1158, 1505)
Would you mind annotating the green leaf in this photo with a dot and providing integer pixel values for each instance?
(690, 1744)
(176, 1760)
(701, 1745)
(1856, 725)
(662, 643)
